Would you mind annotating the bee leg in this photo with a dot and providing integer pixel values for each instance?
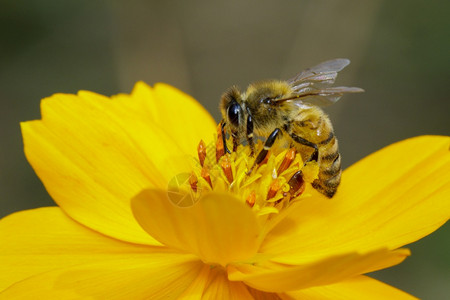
(250, 134)
(235, 137)
(267, 145)
(224, 138)
(315, 155)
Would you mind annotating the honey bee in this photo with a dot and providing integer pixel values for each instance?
(290, 110)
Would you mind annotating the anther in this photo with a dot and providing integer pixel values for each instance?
(201, 150)
(193, 181)
(206, 176)
(290, 155)
(220, 150)
(273, 189)
(226, 167)
(297, 184)
(251, 199)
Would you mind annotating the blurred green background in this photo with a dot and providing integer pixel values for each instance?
(399, 52)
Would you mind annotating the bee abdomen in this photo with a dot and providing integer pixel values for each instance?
(328, 187)
(326, 151)
(329, 168)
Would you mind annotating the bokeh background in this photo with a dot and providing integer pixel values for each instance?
(399, 52)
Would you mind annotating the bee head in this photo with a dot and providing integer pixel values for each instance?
(230, 106)
(261, 101)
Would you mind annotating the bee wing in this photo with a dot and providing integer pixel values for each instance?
(323, 97)
(313, 85)
(324, 73)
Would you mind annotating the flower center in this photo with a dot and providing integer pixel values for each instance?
(267, 187)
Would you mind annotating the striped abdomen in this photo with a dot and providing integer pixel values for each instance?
(329, 166)
(313, 126)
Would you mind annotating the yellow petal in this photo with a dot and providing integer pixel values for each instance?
(40, 240)
(360, 287)
(212, 283)
(197, 287)
(324, 272)
(218, 228)
(144, 276)
(260, 295)
(391, 198)
(219, 287)
(93, 154)
(181, 116)
(183, 119)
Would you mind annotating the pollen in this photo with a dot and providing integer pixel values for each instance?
(268, 187)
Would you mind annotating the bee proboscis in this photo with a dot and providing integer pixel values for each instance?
(291, 110)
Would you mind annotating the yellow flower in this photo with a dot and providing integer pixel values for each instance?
(110, 165)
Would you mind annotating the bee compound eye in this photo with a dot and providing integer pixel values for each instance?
(233, 113)
(266, 100)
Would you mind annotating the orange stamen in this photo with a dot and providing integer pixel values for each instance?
(251, 199)
(201, 150)
(193, 181)
(273, 189)
(206, 176)
(220, 150)
(290, 155)
(226, 167)
(297, 184)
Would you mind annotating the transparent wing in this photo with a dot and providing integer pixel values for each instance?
(313, 85)
(325, 72)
